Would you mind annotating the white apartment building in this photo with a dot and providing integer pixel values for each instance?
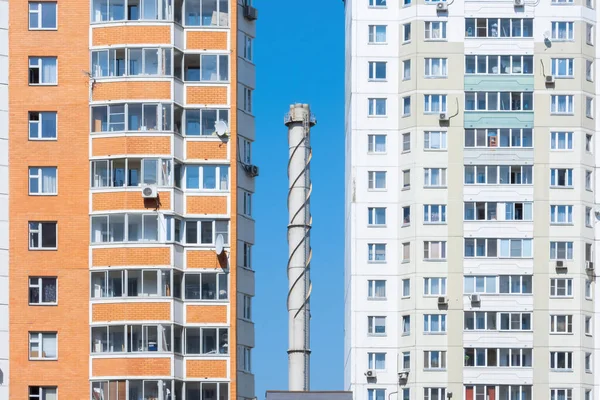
(4, 199)
(472, 222)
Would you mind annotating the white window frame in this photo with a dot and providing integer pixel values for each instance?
(372, 286)
(428, 213)
(406, 32)
(554, 360)
(480, 284)
(568, 250)
(588, 290)
(38, 173)
(427, 250)
(246, 358)
(588, 217)
(555, 212)
(558, 285)
(433, 26)
(406, 287)
(589, 34)
(493, 64)
(428, 103)
(39, 230)
(246, 255)
(37, 7)
(569, 67)
(374, 177)
(38, 338)
(375, 214)
(378, 3)
(496, 98)
(406, 252)
(441, 139)
(248, 53)
(555, 142)
(589, 107)
(36, 282)
(247, 99)
(406, 102)
(428, 286)
(427, 182)
(441, 357)
(589, 70)
(406, 328)
(521, 317)
(588, 325)
(493, 137)
(588, 143)
(556, 99)
(38, 63)
(428, 393)
(372, 324)
(372, 361)
(406, 69)
(569, 28)
(374, 69)
(406, 179)
(588, 362)
(373, 34)
(561, 394)
(376, 105)
(247, 307)
(374, 249)
(372, 144)
(442, 64)
(40, 125)
(43, 392)
(406, 142)
(588, 180)
(554, 324)
(555, 179)
(247, 203)
(498, 32)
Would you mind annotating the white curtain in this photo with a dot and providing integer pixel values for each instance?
(49, 180)
(151, 228)
(49, 345)
(48, 70)
(224, 177)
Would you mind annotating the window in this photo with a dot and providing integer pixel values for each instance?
(562, 31)
(42, 235)
(504, 137)
(206, 286)
(588, 143)
(434, 140)
(588, 252)
(247, 307)
(562, 1)
(515, 321)
(562, 67)
(434, 213)
(436, 67)
(588, 289)
(201, 122)
(406, 106)
(206, 341)
(115, 228)
(376, 252)
(138, 117)
(42, 291)
(561, 287)
(377, 34)
(588, 362)
(480, 321)
(132, 338)
(434, 286)
(246, 149)
(247, 255)
(434, 177)
(377, 70)
(377, 107)
(588, 180)
(406, 394)
(498, 175)
(434, 250)
(116, 10)
(589, 107)
(206, 68)
(406, 216)
(498, 101)
(561, 214)
(376, 325)
(406, 32)
(406, 179)
(589, 70)
(589, 34)
(247, 103)
(406, 287)
(490, 357)
(434, 359)
(561, 394)
(561, 177)
(247, 203)
(587, 325)
(434, 393)
(482, 211)
(248, 45)
(129, 172)
(588, 217)
(151, 61)
(406, 70)
(435, 30)
(561, 140)
(42, 15)
(405, 142)
(480, 284)
(377, 180)
(508, 248)
(516, 284)
(376, 215)
(494, 65)
(42, 71)
(377, 143)
(377, 3)
(406, 360)
(405, 252)
(376, 289)
(405, 325)
(42, 125)
(561, 104)
(42, 180)
(435, 103)
(588, 392)
(204, 232)
(561, 324)
(376, 361)
(116, 283)
(498, 27)
(376, 394)
(42, 346)
(42, 393)
(561, 250)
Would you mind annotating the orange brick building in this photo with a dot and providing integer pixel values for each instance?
(121, 194)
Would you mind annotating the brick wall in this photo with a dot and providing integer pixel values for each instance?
(206, 150)
(196, 40)
(205, 95)
(206, 369)
(206, 204)
(159, 145)
(203, 259)
(120, 256)
(135, 35)
(105, 201)
(131, 91)
(207, 314)
(131, 367)
(142, 311)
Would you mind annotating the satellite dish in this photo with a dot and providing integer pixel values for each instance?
(221, 129)
(219, 244)
(547, 35)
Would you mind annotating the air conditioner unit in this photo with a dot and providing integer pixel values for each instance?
(251, 170)
(442, 300)
(560, 264)
(149, 192)
(549, 79)
(250, 13)
(371, 373)
(443, 117)
(475, 298)
(442, 6)
(589, 265)
(403, 375)
(519, 3)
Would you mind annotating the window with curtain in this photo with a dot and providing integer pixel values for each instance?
(562, 30)
(43, 71)
(377, 33)
(43, 345)
(42, 180)
(376, 143)
(435, 103)
(376, 360)
(436, 67)
(562, 67)
(377, 107)
(42, 125)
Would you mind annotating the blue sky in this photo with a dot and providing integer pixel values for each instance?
(299, 53)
